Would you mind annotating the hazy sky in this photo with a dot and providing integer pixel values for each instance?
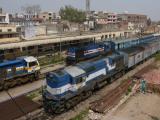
(149, 7)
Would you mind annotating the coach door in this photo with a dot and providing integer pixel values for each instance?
(79, 54)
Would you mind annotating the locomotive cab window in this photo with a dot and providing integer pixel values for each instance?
(79, 80)
(51, 79)
(112, 62)
(31, 64)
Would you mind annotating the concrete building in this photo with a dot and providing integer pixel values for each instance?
(105, 17)
(24, 20)
(106, 21)
(33, 31)
(49, 17)
(8, 31)
(4, 18)
(139, 21)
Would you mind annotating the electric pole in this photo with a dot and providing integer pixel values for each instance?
(88, 8)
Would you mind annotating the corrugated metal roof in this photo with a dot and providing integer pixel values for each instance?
(74, 71)
(48, 41)
(44, 41)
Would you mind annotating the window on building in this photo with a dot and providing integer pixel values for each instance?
(9, 30)
(0, 30)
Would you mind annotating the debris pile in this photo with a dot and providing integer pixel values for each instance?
(110, 99)
(152, 77)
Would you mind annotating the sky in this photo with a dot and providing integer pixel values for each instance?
(148, 7)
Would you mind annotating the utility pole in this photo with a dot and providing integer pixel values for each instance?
(61, 29)
(88, 8)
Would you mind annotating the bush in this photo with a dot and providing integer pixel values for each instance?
(81, 115)
(157, 57)
(50, 60)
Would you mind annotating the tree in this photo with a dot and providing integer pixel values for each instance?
(158, 23)
(149, 22)
(31, 9)
(72, 14)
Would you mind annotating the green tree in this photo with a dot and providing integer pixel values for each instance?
(72, 14)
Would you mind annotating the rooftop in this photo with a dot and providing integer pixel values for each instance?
(74, 71)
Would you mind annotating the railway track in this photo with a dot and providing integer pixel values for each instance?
(99, 94)
(10, 110)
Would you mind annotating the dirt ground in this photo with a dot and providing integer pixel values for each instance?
(138, 107)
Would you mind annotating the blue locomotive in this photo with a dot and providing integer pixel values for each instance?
(80, 53)
(18, 71)
(67, 87)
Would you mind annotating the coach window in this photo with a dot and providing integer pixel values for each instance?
(9, 30)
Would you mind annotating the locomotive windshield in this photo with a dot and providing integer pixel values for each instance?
(51, 79)
(31, 64)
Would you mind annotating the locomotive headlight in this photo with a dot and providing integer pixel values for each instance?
(48, 97)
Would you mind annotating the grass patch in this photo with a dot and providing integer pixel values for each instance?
(34, 94)
(129, 90)
(157, 57)
(81, 115)
(124, 80)
(50, 60)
